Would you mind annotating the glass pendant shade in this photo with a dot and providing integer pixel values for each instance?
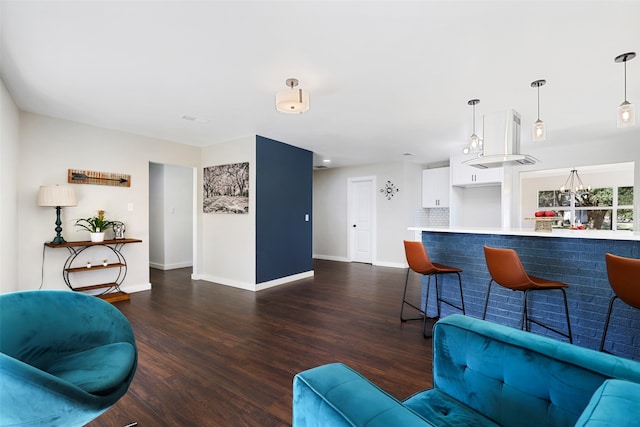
(539, 131)
(626, 111)
(475, 143)
(626, 115)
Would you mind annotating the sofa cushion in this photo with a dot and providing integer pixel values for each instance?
(443, 410)
(615, 403)
(335, 395)
(518, 378)
(97, 370)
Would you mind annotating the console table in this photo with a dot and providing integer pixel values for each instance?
(108, 291)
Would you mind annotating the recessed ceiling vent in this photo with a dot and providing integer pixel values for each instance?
(321, 167)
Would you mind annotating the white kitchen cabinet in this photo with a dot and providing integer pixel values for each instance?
(463, 175)
(435, 188)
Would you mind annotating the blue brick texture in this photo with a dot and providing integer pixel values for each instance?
(580, 263)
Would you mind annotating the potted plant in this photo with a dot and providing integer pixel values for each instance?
(95, 225)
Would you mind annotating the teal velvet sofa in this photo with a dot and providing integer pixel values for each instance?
(65, 358)
(484, 374)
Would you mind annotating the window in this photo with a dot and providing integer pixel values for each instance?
(605, 208)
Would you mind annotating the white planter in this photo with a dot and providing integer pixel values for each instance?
(97, 237)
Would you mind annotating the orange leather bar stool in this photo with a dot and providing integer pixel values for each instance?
(506, 270)
(418, 260)
(624, 278)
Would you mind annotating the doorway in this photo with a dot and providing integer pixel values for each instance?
(172, 200)
(361, 219)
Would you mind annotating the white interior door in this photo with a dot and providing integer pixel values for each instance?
(361, 201)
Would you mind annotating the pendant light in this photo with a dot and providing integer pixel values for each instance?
(292, 101)
(539, 131)
(626, 110)
(475, 143)
(574, 185)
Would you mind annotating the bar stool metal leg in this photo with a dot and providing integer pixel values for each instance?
(606, 323)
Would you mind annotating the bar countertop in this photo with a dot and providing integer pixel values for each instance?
(576, 234)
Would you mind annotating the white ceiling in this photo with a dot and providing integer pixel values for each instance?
(385, 77)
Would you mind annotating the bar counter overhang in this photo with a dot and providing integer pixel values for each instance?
(576, 257)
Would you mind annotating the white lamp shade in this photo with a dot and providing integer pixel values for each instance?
(56, 195)
(294, 101)
(626, 115)
(539, 131)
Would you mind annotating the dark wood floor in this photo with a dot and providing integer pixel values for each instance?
(211, 355)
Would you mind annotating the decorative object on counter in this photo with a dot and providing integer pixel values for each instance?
(626, 110)
(118, 230)
(544, 223)
(75, 176)
(95, 225)
(389, 190)
(539, 131)
(292, 101)
(88, 264)
(475, 143)
(226, 189)
(105, 262)
(57, 196)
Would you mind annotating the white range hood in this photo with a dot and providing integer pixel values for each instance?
(501, 144)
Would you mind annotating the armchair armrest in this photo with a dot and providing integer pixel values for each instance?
(335, 395)
(615, 403)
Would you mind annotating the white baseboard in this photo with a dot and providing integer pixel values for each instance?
(379, 263)
(173, 266)
(391, 264)
(251, 286)
(283, 280)
(331, 258)
(130, 289)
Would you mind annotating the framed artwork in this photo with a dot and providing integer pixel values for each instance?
(77, 176)
(226, 189)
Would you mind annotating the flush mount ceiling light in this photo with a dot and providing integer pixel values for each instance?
(475, 143)
(292, 101)
(626, 111)
(539, 131)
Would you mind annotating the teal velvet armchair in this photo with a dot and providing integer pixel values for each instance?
(65, 358)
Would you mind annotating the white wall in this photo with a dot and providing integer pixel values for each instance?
(178, 217)
(227, 246)
(156, 216)
(330, 227)
(48, 148)
(9, 143)
(171, 217)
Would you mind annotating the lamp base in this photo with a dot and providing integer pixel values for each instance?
(58, 240)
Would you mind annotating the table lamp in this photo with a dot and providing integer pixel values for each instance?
(57, 196)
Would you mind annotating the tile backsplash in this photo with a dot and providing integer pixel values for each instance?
(428, 217)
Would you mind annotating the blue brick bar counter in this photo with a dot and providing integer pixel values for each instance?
(573, 257)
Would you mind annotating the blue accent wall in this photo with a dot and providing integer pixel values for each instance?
(284, 185)
(578, 262)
